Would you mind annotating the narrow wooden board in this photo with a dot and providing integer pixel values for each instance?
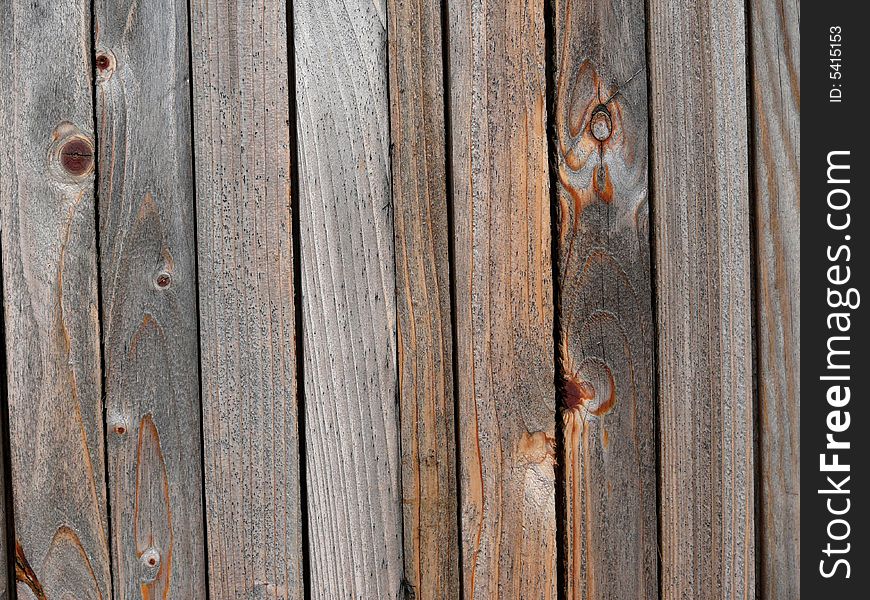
(241, 131)
(702, 259)
(422, 235)
(50, 300)
(606, 345)
(504, 303)
(5, 514)
(348, 287)
(775, 69)
(148, 276)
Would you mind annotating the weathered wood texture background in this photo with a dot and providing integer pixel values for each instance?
(399, 299)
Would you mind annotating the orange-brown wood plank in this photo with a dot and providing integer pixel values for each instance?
(423, 305)
(504, 304)
(606, 344)
(50, 301)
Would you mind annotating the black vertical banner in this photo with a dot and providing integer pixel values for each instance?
(835, 232)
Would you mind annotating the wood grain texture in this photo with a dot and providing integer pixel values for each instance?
(504, 306)
(701, 209)
(348, 279)
(247, 320)
(422, 234)
(50, 300)
(147, 263)
(606, 345)
(4, 565)
(775, 69)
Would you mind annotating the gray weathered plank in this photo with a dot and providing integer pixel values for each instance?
(606, 346)
(351, 413)
(504, 306)
(775, 68)
(247, 321)
(422, 233)
(50, 300)
(701, 225)
(148, 276)
(4, 570)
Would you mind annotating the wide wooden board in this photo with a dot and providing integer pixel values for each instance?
(348, 299)
(148, 277)
(241, 113)
(504, 302)
(606, 346)
(426, 399)
(50, 300)
(702, 247)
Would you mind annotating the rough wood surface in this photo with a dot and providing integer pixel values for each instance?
(148, 276)
(50, 300)
(247, 320)
(504, 307)
(606, 345)
(775, 68)
(4, 514)
(351, 412)
(422, 233)
(701, 225)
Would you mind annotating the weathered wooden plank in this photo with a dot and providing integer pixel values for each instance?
(50, 300)
(606, 345)
(247, 319)
(504, 311)
(349, 326)
(4, 513)
(775, 69)
(422, 234)
(148, 276)
(701, 224)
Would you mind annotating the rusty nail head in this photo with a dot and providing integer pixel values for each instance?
(103, 61)
(163, 280)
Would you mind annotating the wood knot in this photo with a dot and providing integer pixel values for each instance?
(77, 156)
(71, 154)
(150, 560)
(105, 63)
(601, 124)
(163, 280)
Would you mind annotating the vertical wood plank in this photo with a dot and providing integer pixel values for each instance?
(50, 300)
(148, 277)
(247, 320)
(775, 69)
(701, 224)
(423, 300)
(606, 341)
(504, 310)
(4, 513)
(351, 411)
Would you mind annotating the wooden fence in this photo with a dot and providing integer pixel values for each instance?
(344, 299)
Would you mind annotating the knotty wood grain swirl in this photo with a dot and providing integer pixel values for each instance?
(606, 354)
(504, 302)
(241, 131)
(50, 300)
(348, 279)
(423, 300)
(701, 209)
(774, 28)
(149, 299)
